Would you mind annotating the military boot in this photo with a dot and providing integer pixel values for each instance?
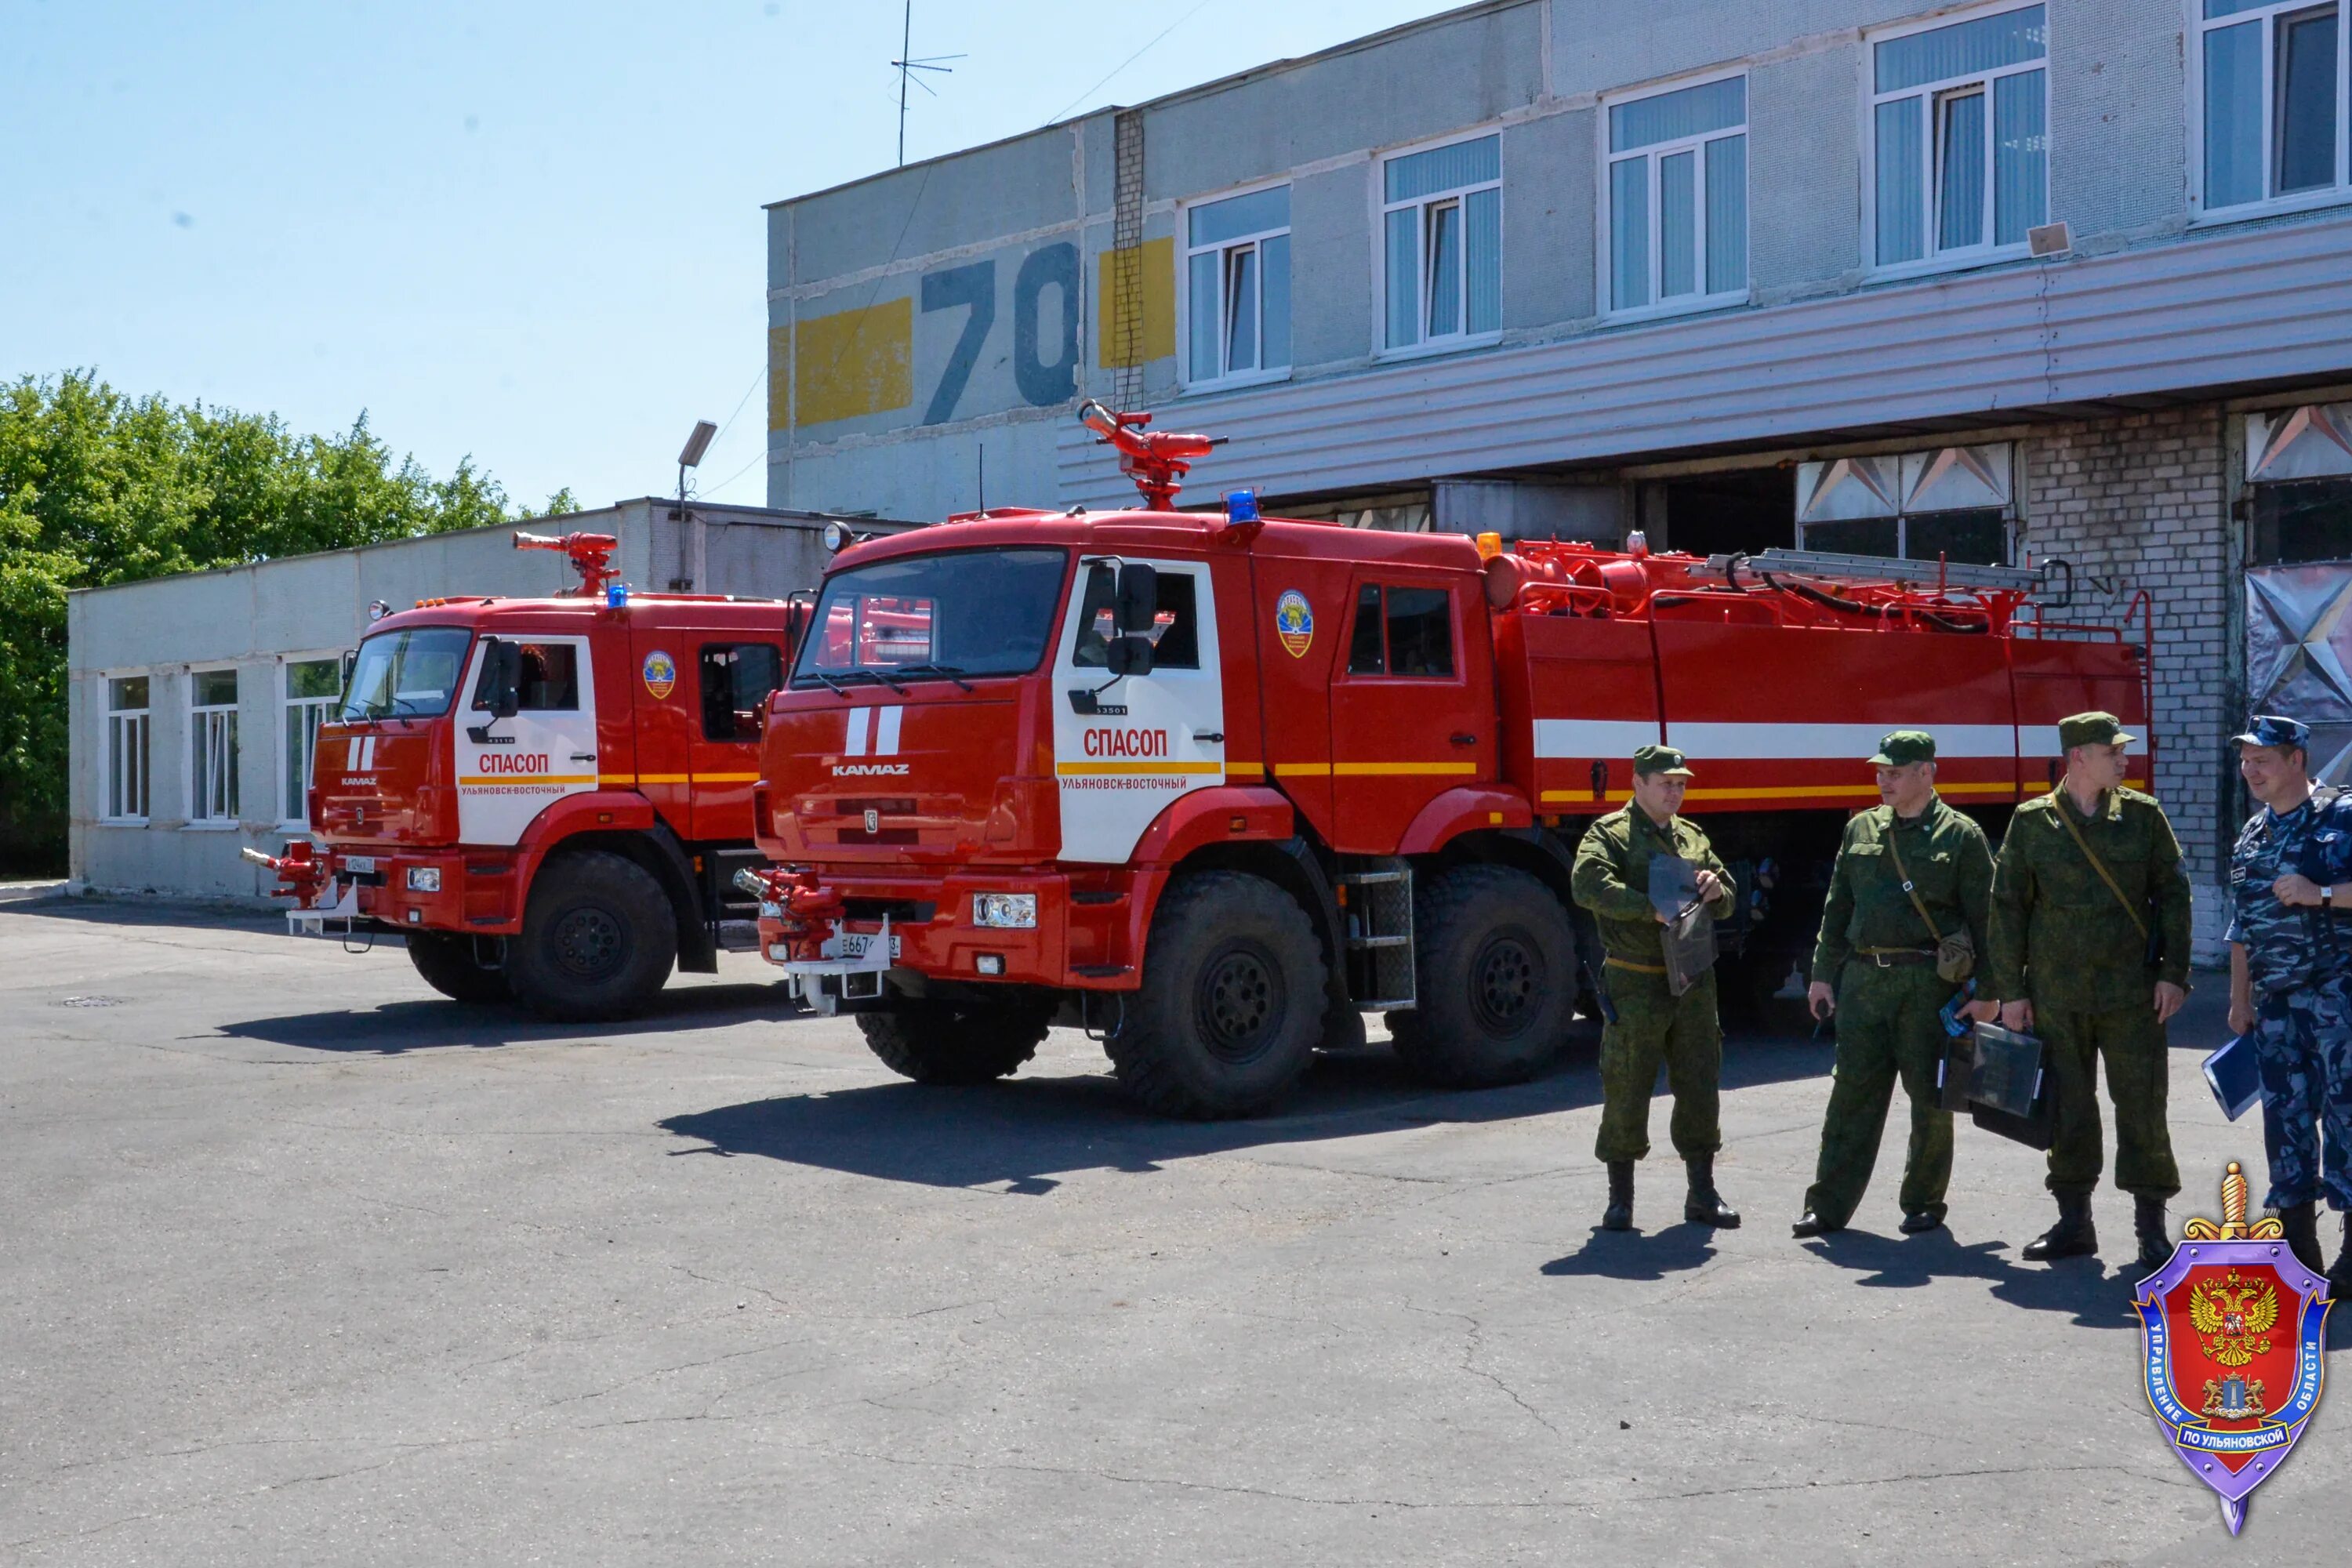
(2071, 1237)
(2339, 1279)
(2148, 1222)
(1706, 1206)
(2301, 1224)
(1619, 1215)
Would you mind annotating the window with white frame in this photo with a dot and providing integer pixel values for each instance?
(125, 751)
(1959, 138)
(211, 745)
(1676, 211)
(1442, 240)
(313, 687)
(2272, 79)
(1237, 286)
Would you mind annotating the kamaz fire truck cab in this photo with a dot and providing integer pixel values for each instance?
(1213, 785)
(549, 799)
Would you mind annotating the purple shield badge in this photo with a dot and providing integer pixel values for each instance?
(2233, 1333)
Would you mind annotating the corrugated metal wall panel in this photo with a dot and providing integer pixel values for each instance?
(2206, 310)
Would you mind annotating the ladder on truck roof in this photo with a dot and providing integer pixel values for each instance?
(1833, 566)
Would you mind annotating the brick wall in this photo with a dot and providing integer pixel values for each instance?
(2141, 502)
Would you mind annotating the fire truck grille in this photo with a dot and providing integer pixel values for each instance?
(901, 911)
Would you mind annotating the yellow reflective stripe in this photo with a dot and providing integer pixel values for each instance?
(1099, 770)
(465, 779)
(1373, 770)
(727, 778)
(616, 780)
(1245, 770)
(1402, 770)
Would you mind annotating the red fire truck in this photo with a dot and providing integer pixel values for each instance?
(550, 799)
(1213, 785)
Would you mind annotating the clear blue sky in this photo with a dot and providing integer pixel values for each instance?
(530, 232)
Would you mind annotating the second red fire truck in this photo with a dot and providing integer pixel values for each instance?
(1213, 787)
(548, 799)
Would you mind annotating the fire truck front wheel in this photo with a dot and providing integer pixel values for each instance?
(598, 939)
(1232, 1002)
(936, 1043)
(1496, 979)
(449, 965)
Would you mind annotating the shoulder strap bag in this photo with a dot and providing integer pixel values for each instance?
(2061, 809)
(1956, 955)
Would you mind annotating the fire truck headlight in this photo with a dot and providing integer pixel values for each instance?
(1005, 910)
(424, 879)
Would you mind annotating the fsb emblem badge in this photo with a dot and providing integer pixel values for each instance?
(2233, 1334)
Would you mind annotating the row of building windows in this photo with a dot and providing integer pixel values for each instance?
(1956, 167)
(309, 689)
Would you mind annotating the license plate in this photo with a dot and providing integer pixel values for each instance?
(361, 863)
(857, 944)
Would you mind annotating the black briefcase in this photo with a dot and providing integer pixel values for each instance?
(2010, 1091)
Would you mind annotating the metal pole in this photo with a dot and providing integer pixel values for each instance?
(906, 53)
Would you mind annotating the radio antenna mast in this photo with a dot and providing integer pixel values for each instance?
(907, 66)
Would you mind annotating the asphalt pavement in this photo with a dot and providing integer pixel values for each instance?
(300, 1264)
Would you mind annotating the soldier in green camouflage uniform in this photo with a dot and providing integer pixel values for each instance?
(1874, 966)
(2069, 961)
(1612, 880)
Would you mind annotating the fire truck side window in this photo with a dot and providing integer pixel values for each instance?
(551, 677)
(1175, 633)
(1402, 631)
(735, 680)
(1365, 651)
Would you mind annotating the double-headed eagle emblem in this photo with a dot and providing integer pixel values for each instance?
(2233, 1321)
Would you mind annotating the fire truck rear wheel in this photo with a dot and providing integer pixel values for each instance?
(449, 965)
(1232, 1002)
(597, 940)
(1496, 979)
(935, 1043)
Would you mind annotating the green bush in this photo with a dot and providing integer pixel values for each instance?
(97, 487)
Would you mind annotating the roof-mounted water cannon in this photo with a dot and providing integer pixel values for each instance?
(592, 556)
(1157, 461)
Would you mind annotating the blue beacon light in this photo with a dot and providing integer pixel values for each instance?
(616, 595)
(1240, 505)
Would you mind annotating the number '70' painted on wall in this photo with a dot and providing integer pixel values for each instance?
(1040, 383)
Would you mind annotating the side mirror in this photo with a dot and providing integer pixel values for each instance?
(350, 662)
(1130, 653)
(499, 690)
(1137, 598)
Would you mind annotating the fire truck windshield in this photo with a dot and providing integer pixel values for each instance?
(966, 612)
(406, 674)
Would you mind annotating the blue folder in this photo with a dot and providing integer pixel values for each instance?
(2234, 1077)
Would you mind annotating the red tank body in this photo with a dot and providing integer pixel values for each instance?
(483, 743)
(1338, 714)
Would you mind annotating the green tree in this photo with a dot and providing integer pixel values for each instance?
(97, 487)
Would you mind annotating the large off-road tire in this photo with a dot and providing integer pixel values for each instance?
(598, 939)
(449, 965)
(935, 1042)
(1231, 1003)
(1495, 969)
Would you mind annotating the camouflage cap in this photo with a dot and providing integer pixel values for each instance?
(1659, 760)
(2091, 730)
(1900, 747)
(2271, 730)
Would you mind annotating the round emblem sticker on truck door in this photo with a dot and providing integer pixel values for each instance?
(661, 674)
(1295, 621)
